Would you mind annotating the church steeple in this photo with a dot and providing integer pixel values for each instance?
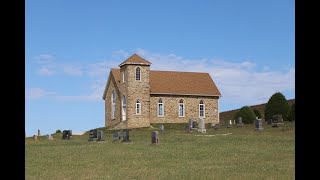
(135, 80)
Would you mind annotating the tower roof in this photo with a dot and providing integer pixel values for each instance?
(135, 59)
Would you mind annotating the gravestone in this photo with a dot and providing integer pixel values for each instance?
(216, 126)
(35, 138)
(125, 135)
(190, 123)
(116, 136)
(187, 128)
(277, 120)
(202, 127)
(239, 124)
(100, 136)
(161, 127)
(49, 137)
(93, 135)
(66, 134)
(229, 125)
(234, 122)
(194, 124)
(38, 132)
(269, 121)
(258, 124)
(154, 137)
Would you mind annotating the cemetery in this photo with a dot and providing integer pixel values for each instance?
(95, 135)
(216, 146)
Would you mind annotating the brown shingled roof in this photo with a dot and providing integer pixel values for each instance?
(116, 75)
(188, 83)
(135, 59)
(179, 83)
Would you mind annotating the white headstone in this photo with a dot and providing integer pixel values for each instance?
(230, 122)
(49, 137)
(202, 127)
(201, 123)
(161, 127)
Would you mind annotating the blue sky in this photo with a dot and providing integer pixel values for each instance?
(247, 46)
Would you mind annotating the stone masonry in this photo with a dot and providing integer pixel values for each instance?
(191, 105)
(108, 121)
(138, 90)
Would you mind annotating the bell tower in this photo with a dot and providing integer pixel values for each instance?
(135, 75)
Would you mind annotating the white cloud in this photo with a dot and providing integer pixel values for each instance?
(248, 65)
(44, 58)
(50, 67)
(45, 71)
(36, 93)
(120, 54)
(101, 69)
(72, 70)
(238, 82)
(96, 95)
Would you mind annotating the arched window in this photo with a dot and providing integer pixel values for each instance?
(138, 107)
(113, 104)
(160, 108)
(181, 108)
(124, 108)
(138, 73)
(201, 109)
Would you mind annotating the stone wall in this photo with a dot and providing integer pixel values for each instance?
(191, 106)
(138, 90)
(108, 121)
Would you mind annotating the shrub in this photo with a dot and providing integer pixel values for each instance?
(292, 114)
(257, 113)
(277, 104)
(58, 131)
(247, 115)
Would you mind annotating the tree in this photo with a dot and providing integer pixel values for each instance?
(292, 114)
(257, 113)
(58, 131)
(247, 115)
(277, 104)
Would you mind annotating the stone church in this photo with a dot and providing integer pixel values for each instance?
(136, 96)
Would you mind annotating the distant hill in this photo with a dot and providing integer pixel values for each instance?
(227, 115)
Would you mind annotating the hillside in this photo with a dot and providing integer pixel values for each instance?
(227, 115)
(226, 153)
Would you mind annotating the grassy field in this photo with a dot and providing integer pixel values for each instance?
(244, 154)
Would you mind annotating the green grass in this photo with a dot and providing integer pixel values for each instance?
(245, 154)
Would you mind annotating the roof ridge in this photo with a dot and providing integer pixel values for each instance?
(181, 71)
